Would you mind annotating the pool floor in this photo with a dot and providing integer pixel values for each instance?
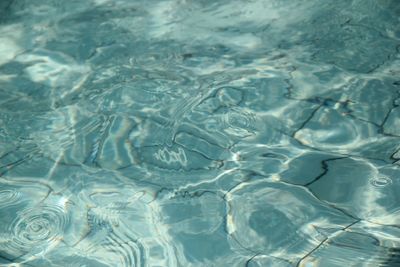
(200, 133)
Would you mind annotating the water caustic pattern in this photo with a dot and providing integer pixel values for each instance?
(199, 133)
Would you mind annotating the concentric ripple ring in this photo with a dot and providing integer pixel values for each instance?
(8, 197)
(38, 228)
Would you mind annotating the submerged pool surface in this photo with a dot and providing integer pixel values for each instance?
(199, 133)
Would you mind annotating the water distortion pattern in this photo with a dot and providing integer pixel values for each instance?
(199, 133)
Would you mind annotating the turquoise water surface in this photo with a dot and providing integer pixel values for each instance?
(200, 133)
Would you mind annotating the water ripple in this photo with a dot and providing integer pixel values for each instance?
(239, 123)
(111, 243)
(277, 219)
(199, 133)
(381, 181)
(35, 230)
(8, 197)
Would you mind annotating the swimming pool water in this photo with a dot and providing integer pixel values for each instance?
(200, 133)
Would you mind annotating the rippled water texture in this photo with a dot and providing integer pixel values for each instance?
(200, 133)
